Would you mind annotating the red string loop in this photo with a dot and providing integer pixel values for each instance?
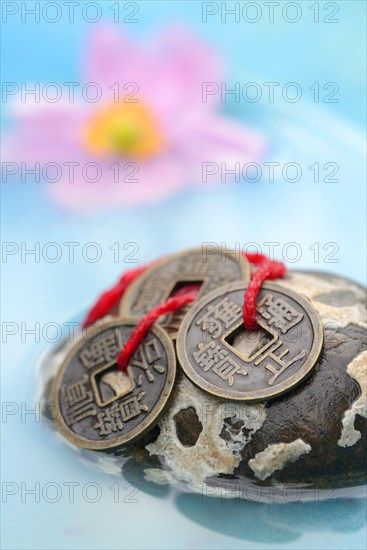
(140, 331)
(266, 270)
(110, 298)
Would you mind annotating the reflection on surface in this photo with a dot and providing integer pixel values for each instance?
(272, 523)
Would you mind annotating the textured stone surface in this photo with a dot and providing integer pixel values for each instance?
(295, 440)
(309, 442)
(276, 457)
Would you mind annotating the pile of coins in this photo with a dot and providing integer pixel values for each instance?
(100, 407)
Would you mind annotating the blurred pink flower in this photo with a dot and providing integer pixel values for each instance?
(149, 133)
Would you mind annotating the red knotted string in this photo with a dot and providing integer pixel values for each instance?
(180, 299)
(110, 298)
(266, 270)
(140, 331)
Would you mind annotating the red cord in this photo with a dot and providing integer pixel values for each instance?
(110, 298)
(137, 336)
(266, 270)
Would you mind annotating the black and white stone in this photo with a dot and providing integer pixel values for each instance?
(309, 444)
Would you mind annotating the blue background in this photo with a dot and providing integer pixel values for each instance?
(304, 212)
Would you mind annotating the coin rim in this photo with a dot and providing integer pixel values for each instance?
(125, 302)
(256, 395)
(148, 422)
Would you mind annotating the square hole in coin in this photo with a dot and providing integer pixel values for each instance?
(110, 383)
(183, 287)
(248, 343)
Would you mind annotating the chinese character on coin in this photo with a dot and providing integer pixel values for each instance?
(100, 407)
(220, 356)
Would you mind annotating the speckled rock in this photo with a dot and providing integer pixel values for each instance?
(305, 445)
(309, 444)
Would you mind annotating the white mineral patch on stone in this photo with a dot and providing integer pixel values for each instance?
(334, 317)
(211, 454)
(162, 477)
(313, 285)
(276, 456)
(357, 369)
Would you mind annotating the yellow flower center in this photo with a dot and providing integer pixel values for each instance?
(127, 129)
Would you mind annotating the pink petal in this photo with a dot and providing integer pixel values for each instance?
(170, 75)
(219, 138)
(222, 143)
(46, 133)
(156, 180)
(179, 65)
(111, 57)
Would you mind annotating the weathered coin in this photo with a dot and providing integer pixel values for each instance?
(221, 357)
(100, 407)
(195, 267)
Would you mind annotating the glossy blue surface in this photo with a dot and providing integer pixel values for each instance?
(43, 292)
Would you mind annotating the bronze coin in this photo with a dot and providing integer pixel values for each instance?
(221, 357)
(191, 267)
(98, 406)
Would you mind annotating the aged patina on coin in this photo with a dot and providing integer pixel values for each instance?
(221, 357)
(207, 269)
(98, 406)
